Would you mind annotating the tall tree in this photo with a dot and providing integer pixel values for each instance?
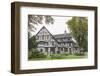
(78, 27)
(38, 19)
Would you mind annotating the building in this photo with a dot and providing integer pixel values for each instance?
(55, 44)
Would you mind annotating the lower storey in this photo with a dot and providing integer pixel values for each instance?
(58, 50)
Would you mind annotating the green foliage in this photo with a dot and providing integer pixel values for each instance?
(38, 19)
(79, 54)
(65, 54)
(32, 43)
(36, 54)
(78, 27)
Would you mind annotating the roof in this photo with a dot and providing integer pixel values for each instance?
(41, 29)
(62, 35)
(59, 36)
(68, 41)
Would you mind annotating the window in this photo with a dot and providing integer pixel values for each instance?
(66, 44)
(47, 36)
(69, 44)
(52, 43)
(43, 37)
(47, 43)
(62, 44)
(61, 49)
(66, 49)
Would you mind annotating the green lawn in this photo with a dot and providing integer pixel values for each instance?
(60, 56)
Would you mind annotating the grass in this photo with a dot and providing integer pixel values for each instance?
(61, 56)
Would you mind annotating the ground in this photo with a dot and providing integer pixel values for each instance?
(60, 56)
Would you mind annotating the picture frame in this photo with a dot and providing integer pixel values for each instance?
(18, 10)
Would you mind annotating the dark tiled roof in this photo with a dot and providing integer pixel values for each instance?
(64, 41)
(62, 35)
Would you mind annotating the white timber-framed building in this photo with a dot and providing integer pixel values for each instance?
(55, 44)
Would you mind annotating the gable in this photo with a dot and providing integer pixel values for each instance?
(45, 33)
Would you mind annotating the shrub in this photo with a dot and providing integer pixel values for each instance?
(37, 54)
(65, 54)
(79, 54)
(56, 56)
(41, 55)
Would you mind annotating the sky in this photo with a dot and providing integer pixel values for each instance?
(58, 27)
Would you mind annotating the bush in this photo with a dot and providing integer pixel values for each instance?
(41, 55)
(36, 54)
(56, 56)
(79, 54)
(65, 54)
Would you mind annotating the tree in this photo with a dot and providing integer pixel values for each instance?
(38, 19)
(78, 27)
(32, 43)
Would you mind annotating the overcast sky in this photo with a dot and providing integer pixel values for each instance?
(58, 27)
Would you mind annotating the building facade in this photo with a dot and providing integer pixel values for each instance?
(55, 44)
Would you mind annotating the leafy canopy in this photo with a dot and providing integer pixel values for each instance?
(78, 27)
(38, 19)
